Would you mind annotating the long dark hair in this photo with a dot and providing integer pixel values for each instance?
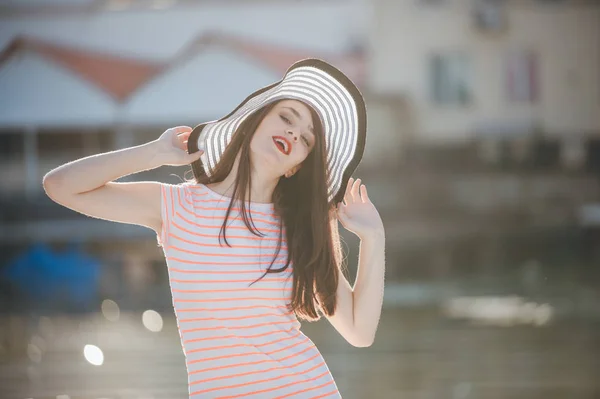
(312, 234)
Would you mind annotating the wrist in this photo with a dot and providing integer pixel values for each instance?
(157, 154)
(377, 234)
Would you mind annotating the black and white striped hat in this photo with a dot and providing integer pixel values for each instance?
(332, 95)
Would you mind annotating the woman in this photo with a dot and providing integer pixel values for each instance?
(252, 242)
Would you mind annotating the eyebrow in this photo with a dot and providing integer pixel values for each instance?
(300, 117)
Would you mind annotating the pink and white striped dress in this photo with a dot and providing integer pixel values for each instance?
(239, 340)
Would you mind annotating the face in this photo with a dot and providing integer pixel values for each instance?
(284, 138)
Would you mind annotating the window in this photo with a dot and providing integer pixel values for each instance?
(522, 77)
(450, 79)
(490, 15)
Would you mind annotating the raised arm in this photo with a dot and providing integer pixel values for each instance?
(86, 185)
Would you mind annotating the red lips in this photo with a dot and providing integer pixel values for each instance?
(279, 143)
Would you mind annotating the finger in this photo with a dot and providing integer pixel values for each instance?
(354, 191)
(182, 129)
(363, 194)
(347, 195)
(184, 138)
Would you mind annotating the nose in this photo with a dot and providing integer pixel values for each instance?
(294, 136)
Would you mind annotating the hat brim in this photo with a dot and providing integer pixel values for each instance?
(346, 103)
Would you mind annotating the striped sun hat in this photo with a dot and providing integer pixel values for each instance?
(333, 96)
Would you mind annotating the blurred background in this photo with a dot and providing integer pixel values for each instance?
(482, 156)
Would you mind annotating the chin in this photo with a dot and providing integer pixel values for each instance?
(268, 160)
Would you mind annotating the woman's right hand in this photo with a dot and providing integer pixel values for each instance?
(172, 147)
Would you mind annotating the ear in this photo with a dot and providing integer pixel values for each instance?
(292, 171)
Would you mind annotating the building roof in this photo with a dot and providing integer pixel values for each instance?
(117, 75)
(120, 76)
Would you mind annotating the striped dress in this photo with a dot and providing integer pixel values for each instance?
(239, 340)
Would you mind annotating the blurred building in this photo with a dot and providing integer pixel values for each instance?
(466, 69)
(488, 110)
(483, 138)
(80, 77)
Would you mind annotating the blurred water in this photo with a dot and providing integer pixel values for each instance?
(417, 354)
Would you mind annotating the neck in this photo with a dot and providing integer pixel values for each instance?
(263, 184)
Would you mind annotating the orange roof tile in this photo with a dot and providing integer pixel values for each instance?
(120, 77)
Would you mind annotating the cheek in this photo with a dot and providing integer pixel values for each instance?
(301, 155)
(268, 125)
(253, 142)
(260, 136)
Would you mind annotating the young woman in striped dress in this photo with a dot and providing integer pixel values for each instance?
(251, 243)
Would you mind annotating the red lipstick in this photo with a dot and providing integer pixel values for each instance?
(282, 144)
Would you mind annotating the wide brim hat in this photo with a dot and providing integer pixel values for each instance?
(333, 96)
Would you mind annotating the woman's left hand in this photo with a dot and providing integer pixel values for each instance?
(357, 213)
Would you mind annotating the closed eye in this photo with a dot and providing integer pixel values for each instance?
(289, 122)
